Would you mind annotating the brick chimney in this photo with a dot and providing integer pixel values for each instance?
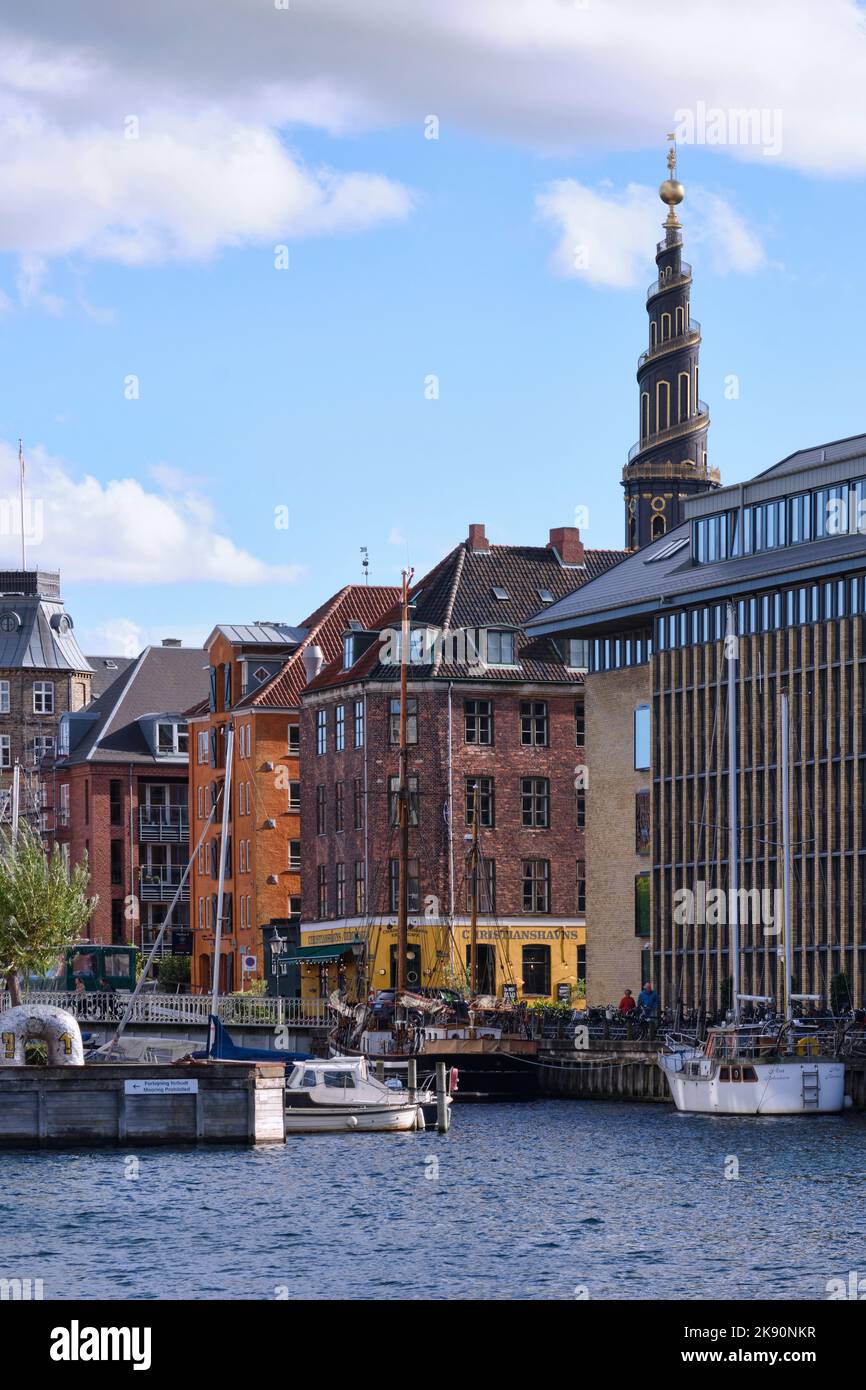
(477, 539)
(565, 540)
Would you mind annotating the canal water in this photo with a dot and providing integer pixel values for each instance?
(551, 1200)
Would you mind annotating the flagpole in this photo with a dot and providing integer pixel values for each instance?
(21, 481)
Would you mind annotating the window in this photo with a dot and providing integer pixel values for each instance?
(394, 882)
(320, 810)
(535, 802)
(340, 728)
(642, 738)
(642, 822)
(6, 750)
(322, 890)
(116, 862)
(536, 885)
(360, 888)
(341, 890)
(321, 732)
(338, 806)
(533, 723)
(578, 653)
(294, 740)
(580, 887)
(478, 721)
(358, 711)
(294, 796)
(63, 810)
(357, 803)
(500, 648)
(295, 856)
(579, 724)
(43, 697)
(43, 747)
(115, 801)
(486, 806)
(202, 746)
(172, 737)
(642, 905)
(4, 697)
(486, 887)
(393, 800)
(411, 720)
(536, 970)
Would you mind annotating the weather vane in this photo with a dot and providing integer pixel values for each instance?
(365, 563)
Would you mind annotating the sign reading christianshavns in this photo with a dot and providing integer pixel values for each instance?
(170, 1086)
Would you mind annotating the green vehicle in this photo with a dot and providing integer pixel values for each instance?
(97, 967)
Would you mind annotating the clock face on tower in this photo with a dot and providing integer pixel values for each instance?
(9, 621)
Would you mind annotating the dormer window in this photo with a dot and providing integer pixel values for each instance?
(499, 647)
(578, 653)
(172, 738)
(348, 651)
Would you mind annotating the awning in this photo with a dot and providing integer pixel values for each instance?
(318, 955)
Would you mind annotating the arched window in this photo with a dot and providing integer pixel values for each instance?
(666, 326)
(680, 320)
(683, 404)
(654, 333)
(644, 414)
(663, 405)
(659, 526)
(632, 533)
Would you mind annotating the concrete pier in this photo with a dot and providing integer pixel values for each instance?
(197, 1103)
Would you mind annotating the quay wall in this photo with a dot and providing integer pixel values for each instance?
(112, 1104)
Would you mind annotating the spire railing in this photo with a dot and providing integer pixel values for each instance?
(668, 282)
(699, 420)
(692, 333)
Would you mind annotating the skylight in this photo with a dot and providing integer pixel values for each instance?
(545, 596)
(499, 592)
(670, 549)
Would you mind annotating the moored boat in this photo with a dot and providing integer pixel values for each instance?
(339, 1095)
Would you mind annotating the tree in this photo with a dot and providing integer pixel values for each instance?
(44, 906)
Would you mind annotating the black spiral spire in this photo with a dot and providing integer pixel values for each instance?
(669, 461)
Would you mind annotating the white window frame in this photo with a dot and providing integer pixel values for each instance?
(43, 697)
(4, 697)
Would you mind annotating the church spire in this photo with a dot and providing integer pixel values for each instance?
(669, 461)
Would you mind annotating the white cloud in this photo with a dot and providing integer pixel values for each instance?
(126, 637)
(120, 532)
(605, 237)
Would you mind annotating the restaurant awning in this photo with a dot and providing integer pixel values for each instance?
(318, 955)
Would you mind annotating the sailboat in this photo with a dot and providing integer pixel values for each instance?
(769, 1069)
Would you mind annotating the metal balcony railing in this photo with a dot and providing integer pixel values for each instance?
(160, 885)
(694, 422)
(164, 824)
(669, 281)
(246, 1009)
(692, 333)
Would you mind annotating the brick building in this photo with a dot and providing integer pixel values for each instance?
(491, 713)
(117, 789)
(43, 674)
(256, 674)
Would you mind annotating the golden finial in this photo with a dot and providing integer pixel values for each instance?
(672, 191)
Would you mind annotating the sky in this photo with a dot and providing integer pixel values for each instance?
(280, 279)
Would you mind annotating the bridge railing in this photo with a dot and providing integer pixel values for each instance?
(233, 1009)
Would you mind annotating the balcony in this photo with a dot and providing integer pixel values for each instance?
(699, 420)
(669, 282)
(160, 885)
(167, 825)
(691, 335)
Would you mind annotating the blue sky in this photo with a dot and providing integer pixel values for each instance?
(305, 388)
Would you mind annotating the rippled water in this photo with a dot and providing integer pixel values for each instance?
(530, 1202)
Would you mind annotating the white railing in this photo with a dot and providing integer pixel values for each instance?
(237, 1009)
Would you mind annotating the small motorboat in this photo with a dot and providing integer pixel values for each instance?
(339, 1095)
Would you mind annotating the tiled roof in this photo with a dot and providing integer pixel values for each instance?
(459, 593)
(367, 603)
(106, 670)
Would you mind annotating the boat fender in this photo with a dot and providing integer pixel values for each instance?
(352, 1121)
(453, 1077)
(58, 1028)
(807, 1047)
(849, 1101)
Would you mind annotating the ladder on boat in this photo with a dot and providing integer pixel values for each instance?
(811, 1088)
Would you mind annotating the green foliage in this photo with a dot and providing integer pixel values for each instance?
(841, 997)
(173, 970)
(44, 905)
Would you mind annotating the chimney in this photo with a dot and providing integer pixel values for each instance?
(171, 641)
(565, 540)
(314, 659)
(477, 539)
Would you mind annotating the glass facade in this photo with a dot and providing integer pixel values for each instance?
(808, 516)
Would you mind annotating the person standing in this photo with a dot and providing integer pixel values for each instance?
(648, 1001)
(627, 1003)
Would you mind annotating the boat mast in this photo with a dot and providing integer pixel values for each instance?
(473, 895)
(224, 838)
(786, 852)
(731, 655)
(403, 798)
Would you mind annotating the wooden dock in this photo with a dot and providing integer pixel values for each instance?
(113, 1104)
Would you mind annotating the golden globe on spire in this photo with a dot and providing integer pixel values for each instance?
(671, 191)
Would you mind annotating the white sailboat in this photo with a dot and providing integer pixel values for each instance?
(781, 1069)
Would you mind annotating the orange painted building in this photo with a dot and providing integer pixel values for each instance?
(257, 673)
